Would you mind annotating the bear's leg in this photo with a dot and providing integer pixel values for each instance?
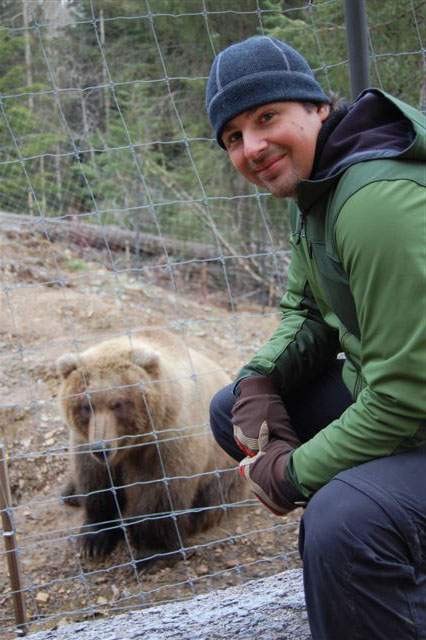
(154, 535)
(152, 558)
(103, 502)
(149, 556)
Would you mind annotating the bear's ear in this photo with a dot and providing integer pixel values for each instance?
(66, 364)
(148, 360)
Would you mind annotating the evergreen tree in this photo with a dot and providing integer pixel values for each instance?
(113, 121)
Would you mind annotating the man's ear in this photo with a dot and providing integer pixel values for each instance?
(323, 111)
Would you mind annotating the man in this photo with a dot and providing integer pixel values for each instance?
(345, 438)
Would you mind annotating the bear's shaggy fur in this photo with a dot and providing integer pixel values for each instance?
(144, 461)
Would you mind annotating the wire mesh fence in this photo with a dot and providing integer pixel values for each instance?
(122, 221)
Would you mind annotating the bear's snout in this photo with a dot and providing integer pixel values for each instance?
(101, 451)
(102, 436)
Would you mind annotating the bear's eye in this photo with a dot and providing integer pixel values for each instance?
(85, 411)
(117, 405)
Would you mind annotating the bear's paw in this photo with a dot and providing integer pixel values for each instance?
(97, 543)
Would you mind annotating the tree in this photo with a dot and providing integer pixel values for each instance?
(104, 103)
(318, 31)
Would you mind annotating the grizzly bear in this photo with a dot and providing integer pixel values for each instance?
(145, 466)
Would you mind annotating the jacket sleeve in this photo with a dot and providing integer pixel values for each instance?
(380, 235)
(303, 344)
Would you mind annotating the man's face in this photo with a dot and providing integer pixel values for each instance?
(273, 146)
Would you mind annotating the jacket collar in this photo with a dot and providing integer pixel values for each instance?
(374, 126)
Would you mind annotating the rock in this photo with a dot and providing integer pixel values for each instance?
(266, 609)
(202, 569)
(42, 597)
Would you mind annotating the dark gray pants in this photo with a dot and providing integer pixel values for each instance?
(362, 536)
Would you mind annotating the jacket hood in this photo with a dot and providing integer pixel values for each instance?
(375, 126)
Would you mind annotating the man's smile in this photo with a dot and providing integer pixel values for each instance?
(268, 166)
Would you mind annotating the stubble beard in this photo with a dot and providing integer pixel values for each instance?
(283, 186)
(284, 183)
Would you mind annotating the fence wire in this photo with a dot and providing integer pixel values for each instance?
(120, 217)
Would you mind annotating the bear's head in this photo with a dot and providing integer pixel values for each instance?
(112, 398)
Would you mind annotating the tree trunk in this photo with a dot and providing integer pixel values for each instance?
(106, 236)
(27, 51)
(29, 79)
(104, 71)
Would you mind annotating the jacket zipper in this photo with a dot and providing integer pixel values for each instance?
(357, 385)
(301, 227)
(299, 235)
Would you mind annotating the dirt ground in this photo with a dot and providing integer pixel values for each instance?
(54, 296)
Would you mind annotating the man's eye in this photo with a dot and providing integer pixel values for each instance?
(232, 138)
(268, 115)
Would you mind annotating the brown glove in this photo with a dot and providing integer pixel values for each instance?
(258, 415)
(267, 478)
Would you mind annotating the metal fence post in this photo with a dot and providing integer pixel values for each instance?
(357, 45)
(11, 544)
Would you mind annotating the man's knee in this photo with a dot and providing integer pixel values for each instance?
(341, 523)
(220, 408)
(363, 512)
(221, 421)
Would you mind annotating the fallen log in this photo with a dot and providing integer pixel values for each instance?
(112, 237)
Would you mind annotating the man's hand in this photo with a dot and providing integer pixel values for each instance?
(267, 478)
(263, 430)
(258, 415)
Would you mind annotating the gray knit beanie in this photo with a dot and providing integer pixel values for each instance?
(257, 71)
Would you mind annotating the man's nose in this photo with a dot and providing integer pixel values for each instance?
(254, 145)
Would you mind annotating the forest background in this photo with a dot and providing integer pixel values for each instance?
(102, 114)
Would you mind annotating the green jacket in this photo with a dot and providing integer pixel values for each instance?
(357, 284)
